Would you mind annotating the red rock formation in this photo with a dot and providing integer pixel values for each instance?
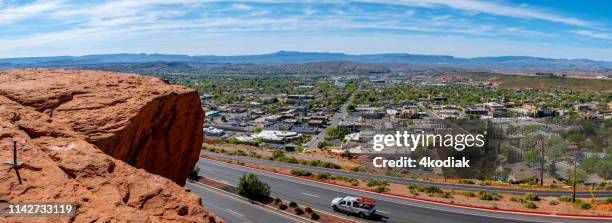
(62, 119)
(140, 120)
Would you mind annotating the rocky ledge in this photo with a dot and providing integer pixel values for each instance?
(79, 135)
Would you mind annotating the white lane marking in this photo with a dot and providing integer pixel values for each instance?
(312, 195)
(233, 212)
(384, 212)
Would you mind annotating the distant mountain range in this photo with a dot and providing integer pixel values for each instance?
(503, 63)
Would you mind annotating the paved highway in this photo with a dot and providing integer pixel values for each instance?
(466, 187)
(390, 209)
(232, 209)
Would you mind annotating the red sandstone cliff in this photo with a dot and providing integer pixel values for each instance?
(65, 121)
(140, 120)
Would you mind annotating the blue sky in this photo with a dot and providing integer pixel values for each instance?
(464, 28)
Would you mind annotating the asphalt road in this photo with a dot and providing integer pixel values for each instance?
(232, 209)
(390, 209)
(398, 180)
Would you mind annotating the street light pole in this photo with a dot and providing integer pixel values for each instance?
(574, 194)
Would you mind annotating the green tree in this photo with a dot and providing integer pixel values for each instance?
(251, 187)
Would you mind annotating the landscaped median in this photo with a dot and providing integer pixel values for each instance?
(250, 187)
(346, 162)
(527, 203)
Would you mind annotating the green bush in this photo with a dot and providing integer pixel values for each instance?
(301, 172)
(251, 187)
(469, 194)
(330, 165)
(314, 216)
(531, 205)
(357, 169)
(433, 190)
(380, 189)
(292, 204)
(194, 174)
(282, 206)
(276, 201)
(464, 181)
(583, 205)
(308, 209)
(298, 211)
(531, 197)
(322, 176)
(489, 196)
(315, 163)
(353, 181)
(565, 198)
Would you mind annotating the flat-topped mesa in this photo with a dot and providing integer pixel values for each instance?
(143, 121)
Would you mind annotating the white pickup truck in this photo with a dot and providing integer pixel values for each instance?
(361, 206)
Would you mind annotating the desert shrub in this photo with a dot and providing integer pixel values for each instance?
(282, 206)
(292, 204)
(194, 174)
(469, 194)
(565, 198)
(301, 172)
(298, 211)
(278, 154)
(238, 153)
(353, 181)
(276, 201)
(446, 195)
(372, 182)
(330, 165)
(322, 176)
(314, 216)
(553, 202)
(313, 163)
(433, 190)
(308, 209)
(583, 205)
(531, 197)
(357, 169)
(489, 196)
(414, 192)
(251, 187)
(465, 181)
(380, 189)
(531, 205)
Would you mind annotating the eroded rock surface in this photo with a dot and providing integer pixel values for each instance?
(141, 120)
(62, 120)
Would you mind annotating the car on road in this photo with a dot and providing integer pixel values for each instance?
(361, 206)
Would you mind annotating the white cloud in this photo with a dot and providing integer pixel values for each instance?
(242, 7)
(489, 7)
(596, 35)
(10, 13)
